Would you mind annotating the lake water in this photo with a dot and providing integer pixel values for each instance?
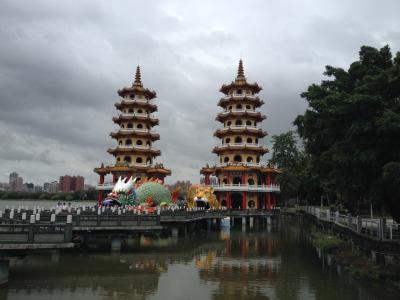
(277, 262)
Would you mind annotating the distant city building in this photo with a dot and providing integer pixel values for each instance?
(71, 183)
(16, 182)
(89, 187)
(4, 186)
(51, 187)
(78, 183)
(28, 187)
(38, 188)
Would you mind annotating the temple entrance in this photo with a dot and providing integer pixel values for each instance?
(237, 180)
(223, 203)
(236, 201)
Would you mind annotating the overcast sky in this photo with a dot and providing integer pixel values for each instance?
(62, 63)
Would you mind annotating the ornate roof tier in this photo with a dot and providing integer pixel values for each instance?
(239, 167)
(244, 99)
(134, 168)
(131, 103)
(236, 114)
(135, 133)
(134, 150)
(240, 83)
(137, 88)
(243, 148)
(136, 116)
(240, 129)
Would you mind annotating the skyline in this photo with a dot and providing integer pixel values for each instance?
(62, 67)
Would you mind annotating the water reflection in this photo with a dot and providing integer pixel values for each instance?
(278, 263)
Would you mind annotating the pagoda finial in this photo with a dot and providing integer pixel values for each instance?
(138, 78)
(240, 74)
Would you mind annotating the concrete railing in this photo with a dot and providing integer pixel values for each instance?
(247, 187)
(384, 229)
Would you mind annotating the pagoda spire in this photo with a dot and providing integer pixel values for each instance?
(138, 77)
(240, 73)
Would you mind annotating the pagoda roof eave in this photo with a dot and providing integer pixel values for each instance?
(254, 131)
(223, 102)
(138, 89)
(225, 88)
(244, 148)
(133, 150)
(153, 136)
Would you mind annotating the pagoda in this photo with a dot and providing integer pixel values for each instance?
(240, 180)
(134, 153)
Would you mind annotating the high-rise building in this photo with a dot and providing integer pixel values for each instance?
(240, 179)
(134, 153)
(16, 182)
(65, 183)
(77, 183)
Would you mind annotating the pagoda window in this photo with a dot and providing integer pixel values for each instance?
(225, 181)
(129, 125)
(140, 111)
(127, 159)
(130, 110)
(118, 159)
(237, 180)
(238, 140)
(256, 141)
(120, 143)
(226, 159)
(238, 158)
(239, 106)
(255, 123)
(128, 142)
(122, 126)
(149, 161)
(249, 159)
(250, 181)
(258, 159)
(238, 122)
(148, 143)
(139, 160)
(230, 107)
(139, 142)
(248, 123)
(251, 204)
(227, 140)
(229, 123)
(140, 126)
(248, 107)
(249, 140)
(239, 92)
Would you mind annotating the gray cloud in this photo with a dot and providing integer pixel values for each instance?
(61, 66)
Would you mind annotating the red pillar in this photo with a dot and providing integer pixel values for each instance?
(207, 179)
(244, 200)
(101, 180)
(100, 197)
(114, 177)
(268, 182)
(228, 200)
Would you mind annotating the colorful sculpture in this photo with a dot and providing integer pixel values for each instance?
(152, 192)
(202, 196)
(123, 193)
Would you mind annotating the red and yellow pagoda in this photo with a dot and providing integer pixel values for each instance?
(134, 153)
(240, 180)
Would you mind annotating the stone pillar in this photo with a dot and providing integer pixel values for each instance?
(175, 232)
(4, 271)
(251, 222)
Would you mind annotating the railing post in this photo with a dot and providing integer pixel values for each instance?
(359, 224)
(31, 229)
(68, 229)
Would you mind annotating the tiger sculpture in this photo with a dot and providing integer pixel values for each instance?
(202, 196)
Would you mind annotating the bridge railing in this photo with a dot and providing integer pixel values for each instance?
(384, 229)
(35, 233)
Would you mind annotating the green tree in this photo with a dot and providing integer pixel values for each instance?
(352, 126)
(391, 188)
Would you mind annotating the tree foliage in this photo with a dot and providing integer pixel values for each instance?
(351, 129)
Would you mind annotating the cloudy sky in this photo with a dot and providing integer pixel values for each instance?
(61, 63)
